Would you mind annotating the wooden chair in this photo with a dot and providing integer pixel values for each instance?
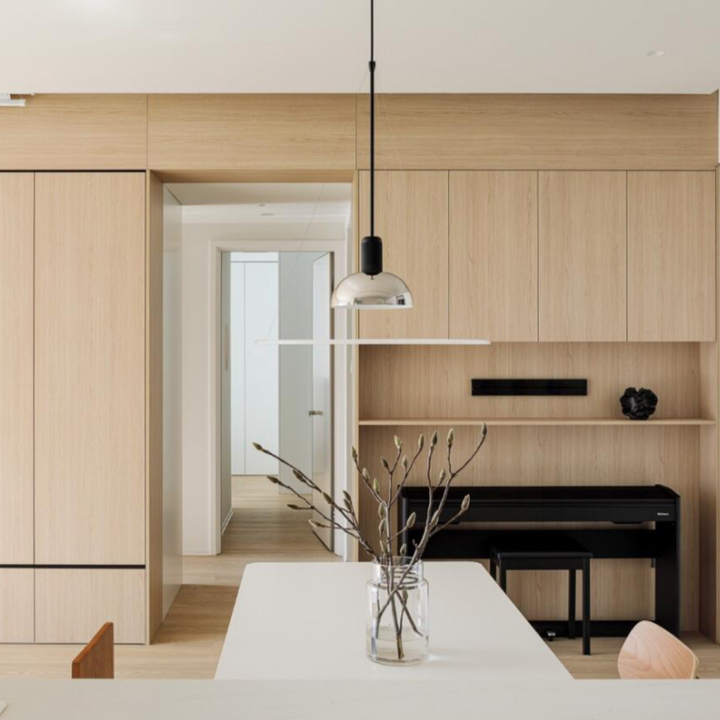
(652, 653)
(97, 659)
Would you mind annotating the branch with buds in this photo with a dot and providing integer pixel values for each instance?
(344, 517)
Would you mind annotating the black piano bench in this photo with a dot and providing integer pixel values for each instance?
(525, 550)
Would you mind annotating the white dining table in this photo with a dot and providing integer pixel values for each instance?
(358, 700)
(306, 621)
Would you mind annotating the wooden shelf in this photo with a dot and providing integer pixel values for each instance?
(570, 422)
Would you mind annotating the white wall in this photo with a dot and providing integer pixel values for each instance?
(296, 307)
(172, 401)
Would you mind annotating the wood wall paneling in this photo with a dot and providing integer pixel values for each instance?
(434, 382)
(154, 403)
(622, 589)
(493, 256)
(75, 132)
(90, 368)
(671, 256)
(16, 367)
(541, 132)
(251, 132)
(17, 605)
(71, 605)
(411, 215)
(583, 256)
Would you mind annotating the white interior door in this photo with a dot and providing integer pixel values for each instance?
(321, 412)
(226, 392)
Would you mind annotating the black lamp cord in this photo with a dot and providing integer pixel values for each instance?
(372, 118)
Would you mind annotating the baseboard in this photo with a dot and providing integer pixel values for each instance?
(226, 522)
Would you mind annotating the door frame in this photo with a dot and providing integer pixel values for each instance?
(341, 369)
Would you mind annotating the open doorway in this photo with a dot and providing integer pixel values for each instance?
(277, 396)
(246, 248)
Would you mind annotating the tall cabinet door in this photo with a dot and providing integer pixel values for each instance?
(583, 256)
(412, 219)
(90, 368)
(493, 256)
(671, 256)
(16, 368)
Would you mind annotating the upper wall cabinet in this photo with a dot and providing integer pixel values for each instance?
(76, 132)
(251, 132)
(90, 368)
(671, 256)
(493, 256)
(411, 216)
(16, 369)
(583, 245)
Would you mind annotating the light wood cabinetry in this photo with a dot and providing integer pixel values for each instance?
(493, 256)
(412, 218)
(540, 132)
(251, 132)
(583, 256)
(76, 132)
(16, 368)
(671, 256)
(72, 605)
(90, 369)
(17, 608)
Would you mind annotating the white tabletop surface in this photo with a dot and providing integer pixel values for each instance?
(306, 621)
(358, 700)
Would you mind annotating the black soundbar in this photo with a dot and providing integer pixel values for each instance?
(535, 387)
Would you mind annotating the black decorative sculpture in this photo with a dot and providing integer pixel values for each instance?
(638, 404)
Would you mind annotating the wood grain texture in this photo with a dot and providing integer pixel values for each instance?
(541, 132)
(652, 653)
(493, 256)
(90, 369)
(583, 256)
(17, 605)
(70, 605)
(435, 382)
(75, 132)
(16, 367)
(251, 132)
(154, 403)
(572, 456)
(671, 256)
(412, 219)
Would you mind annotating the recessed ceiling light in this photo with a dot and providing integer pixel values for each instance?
(656, 53)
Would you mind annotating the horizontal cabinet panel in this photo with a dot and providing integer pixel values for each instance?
(72, 604)
(251, 132)
(75, 132)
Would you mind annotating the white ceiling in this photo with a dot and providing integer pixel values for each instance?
(271, 46)
(301, 204)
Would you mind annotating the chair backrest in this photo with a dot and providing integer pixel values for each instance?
(97, 659)
(652, 653)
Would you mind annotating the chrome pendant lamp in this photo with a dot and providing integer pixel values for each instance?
(372, 288)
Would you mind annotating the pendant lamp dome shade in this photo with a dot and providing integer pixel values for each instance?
(372, 288)
(384, 291)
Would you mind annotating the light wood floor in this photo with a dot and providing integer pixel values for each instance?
(261, 530)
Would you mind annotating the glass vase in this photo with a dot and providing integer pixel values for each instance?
(397, 613)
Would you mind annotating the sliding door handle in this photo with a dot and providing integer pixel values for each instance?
(315, 412)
